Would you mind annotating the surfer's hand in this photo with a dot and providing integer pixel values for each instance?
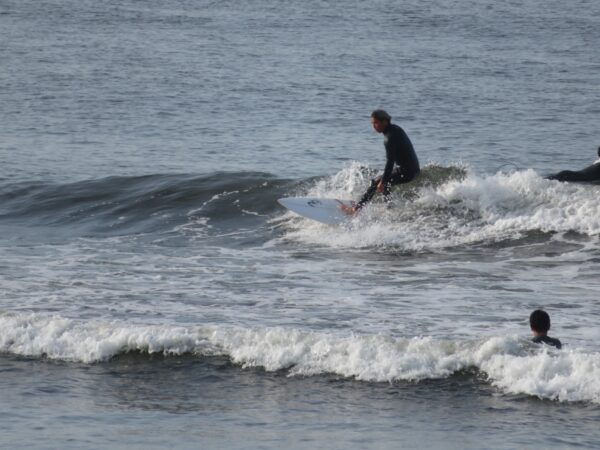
(380, 187)
(349, 210)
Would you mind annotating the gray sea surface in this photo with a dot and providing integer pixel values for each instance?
(155, 294)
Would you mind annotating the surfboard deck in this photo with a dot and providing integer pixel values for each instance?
(324, 210)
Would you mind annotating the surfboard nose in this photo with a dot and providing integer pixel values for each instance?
(330, 211)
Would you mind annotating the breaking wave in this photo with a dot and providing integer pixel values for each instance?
(450, 207)
(510, 363)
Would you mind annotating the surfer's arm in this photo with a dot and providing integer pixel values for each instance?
(387, 171)
(389, 163)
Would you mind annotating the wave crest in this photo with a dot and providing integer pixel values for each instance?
(454, 207)
(512, 364)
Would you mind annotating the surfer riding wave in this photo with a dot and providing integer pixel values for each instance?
(402, 164)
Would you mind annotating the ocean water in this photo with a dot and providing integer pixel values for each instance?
(155, 294)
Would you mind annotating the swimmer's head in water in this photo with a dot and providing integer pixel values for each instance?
(539, 321)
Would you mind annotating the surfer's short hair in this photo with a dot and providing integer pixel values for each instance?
(539, 321)
(380, 115)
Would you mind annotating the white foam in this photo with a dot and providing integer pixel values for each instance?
(55, 337)
(475, 209)
(512, 364)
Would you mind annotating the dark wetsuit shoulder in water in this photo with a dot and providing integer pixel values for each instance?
(547, 340)
(399, 151)
(590, 173)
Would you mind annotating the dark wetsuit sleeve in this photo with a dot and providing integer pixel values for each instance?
(556, 343)
(389, 164)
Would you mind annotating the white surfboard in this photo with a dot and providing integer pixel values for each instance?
(324, 210)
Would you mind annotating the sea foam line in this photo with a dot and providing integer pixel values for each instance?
(511, 363)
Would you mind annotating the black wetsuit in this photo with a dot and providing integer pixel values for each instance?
(590, 173)
(547, 340)
(398, 151)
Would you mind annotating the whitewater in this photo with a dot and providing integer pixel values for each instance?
(451, 215)
(512, 364)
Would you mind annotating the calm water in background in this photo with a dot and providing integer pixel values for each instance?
(155, 294)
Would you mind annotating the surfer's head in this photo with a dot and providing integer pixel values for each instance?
(598, 152)
(380, 120)
(539, 321)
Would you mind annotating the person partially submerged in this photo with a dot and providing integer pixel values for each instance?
(539, 321)
(402, 164)
(590, 173)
